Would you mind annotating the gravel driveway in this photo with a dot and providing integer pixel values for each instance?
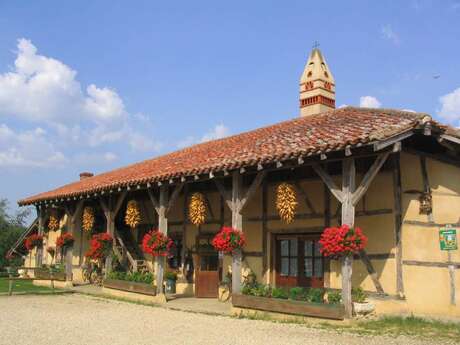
(77, 319)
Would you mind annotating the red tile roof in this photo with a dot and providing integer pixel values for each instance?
(324, 132)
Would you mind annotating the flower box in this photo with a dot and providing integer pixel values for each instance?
(130, 286)
(327, 311)
(45, 274)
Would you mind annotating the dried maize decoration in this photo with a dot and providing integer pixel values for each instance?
(197, 209)
(53, 223)
(133, 214)
(88, 219)
(286, 201)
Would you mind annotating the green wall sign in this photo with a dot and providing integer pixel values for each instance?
(448, 239)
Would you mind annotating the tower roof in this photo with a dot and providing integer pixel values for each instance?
(316, 68)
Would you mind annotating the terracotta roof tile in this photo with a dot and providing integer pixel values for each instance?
(325, 132)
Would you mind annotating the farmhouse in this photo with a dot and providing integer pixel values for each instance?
(395, 174)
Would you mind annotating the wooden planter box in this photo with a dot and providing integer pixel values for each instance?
(41, 274)
(124, 285)
(327, 311)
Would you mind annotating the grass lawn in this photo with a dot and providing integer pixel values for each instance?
(411, 326)
(24, 286)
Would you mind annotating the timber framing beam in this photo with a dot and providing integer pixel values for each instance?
(349, 196)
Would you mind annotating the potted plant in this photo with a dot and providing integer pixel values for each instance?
(171, 278)
(361, 306)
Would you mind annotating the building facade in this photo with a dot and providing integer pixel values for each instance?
(395, 174)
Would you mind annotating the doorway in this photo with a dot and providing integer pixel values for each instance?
(299, 261)
(207, 268)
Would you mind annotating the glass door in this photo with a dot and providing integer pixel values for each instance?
(299, 261)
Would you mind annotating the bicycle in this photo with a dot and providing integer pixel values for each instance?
(93, 272)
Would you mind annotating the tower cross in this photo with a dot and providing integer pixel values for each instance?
(315, 45)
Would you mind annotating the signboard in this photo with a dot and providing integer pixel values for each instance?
(448, 238)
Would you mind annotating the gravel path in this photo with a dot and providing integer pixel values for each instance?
(77, 319)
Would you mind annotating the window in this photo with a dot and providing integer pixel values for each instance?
(313, 260)
(299, 261)
(289, 253)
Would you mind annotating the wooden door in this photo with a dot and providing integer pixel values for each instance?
(207, 276)
(299, 261)
(207, 269)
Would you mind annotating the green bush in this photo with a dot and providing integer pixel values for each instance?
(170, 275)
(315, 295)
(137, 277)
(280, 293)
(297, 293)
(358, 295)
(260, 290)
(334, 297)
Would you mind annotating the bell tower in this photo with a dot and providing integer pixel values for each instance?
(317, 85)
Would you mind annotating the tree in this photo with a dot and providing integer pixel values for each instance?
(11, 228)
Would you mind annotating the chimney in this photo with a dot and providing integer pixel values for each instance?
(84, 175)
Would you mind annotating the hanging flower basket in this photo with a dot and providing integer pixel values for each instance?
(228, 240)
(33, 241)
(88, 219)
(100, 246)
(342, 241)
(133, 214)
(156, 243)
(65, 240)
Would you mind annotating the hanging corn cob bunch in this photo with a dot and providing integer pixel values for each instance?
(53, 223)
(133, 214)
(88, 219)
(286, 201)
(197, 209)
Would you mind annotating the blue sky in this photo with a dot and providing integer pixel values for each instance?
(93, 85)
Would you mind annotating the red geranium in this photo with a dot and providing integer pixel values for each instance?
(228, 240)
(156, 243)
(341, 241)
(100, 246)
(33, 241)
(65, 240)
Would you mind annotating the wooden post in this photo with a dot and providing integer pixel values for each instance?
(110, 212)
(348, 218)
(327, 224)
(72, 215)
(451, 269)
(163, 228)
(237, 223)
(10, 284)
(397, 193)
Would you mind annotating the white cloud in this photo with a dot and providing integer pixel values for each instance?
(389, 34)
(40, 88)
(369, 102)
(42, 91)
(450, 107)
(218, 132)
(28, 149)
